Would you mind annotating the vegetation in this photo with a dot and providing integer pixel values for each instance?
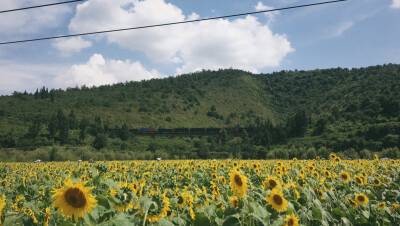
(352, 112)
(201, 192)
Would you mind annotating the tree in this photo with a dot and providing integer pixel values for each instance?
(100, 141)
(82, 126)
(124, 132)
(34, 129)
(64, 130)
(53, 125)
(73, 122)
(52, 95)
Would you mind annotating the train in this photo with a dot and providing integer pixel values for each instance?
(229, 130)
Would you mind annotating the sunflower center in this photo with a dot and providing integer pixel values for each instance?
(277, 199)
(290, 222)
(376, 181)
(75, 198)
(180, 199)
(238, 180)
(361, 198)
(344, 176)
(358, 180)
(272, 183)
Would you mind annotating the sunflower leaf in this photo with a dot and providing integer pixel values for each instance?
(316, 213)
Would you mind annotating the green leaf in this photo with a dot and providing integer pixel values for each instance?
(345, 221)
(231, 221)
(12, 220)
(316, 213)
(145, 204)
(178, 221)
(165, 222)
(365, 214)
(201, 219)
(103, 201)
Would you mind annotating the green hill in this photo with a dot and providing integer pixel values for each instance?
(346, 109)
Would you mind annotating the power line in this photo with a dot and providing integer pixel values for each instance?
(168, 24)
(39, 6)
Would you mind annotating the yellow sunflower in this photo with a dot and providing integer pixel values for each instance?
(238, 183)
(381, 205)
(394, 207)
(2, 205)
(376, 182)
(74, 199)
(345, 176)
(181, 200)
(271, 182)
(159, 207)
(353, 203)
(361, 199)
(46, 217)
(234, 202)
(359, 180)
(292, 220)
(276, 199)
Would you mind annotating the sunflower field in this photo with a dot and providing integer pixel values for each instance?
(202, 192)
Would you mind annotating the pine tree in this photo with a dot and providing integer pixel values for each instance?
(53, 125)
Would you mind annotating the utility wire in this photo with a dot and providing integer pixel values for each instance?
(168, 24)
(39, 6)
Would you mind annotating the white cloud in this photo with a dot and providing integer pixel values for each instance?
(29, 21)
(71, 45)
(270, 15)
(99, 71)
(341, 28)
(17, 76)
(396, 4)
(242, 43)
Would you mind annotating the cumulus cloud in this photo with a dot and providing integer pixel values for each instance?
(396, 4)
(17, 76)
(29, 21)
(99, 71)
(71, 45)
(270, 15)
(243, 43)
(341, 28)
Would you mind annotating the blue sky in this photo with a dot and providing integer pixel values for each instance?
(347, 34)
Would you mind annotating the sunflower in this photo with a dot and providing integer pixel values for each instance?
(361, 199)
(46, 217)
(271, 182)
(234, 202)
(327, 174)
(381, 205)
(181, 200)
(2, 205)
(159, 207)
(345, 176)
(18, 206)
(376, 182)
(74, 199)
(337, 159)
(353, 203)
(124, 195)
(238, 183)
(359, 180)
(292, 220)
(332, 156)
(180, 170)
(394, 207)
(276, 199)
(319, 193)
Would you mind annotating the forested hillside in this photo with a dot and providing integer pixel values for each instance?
(304, 113)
